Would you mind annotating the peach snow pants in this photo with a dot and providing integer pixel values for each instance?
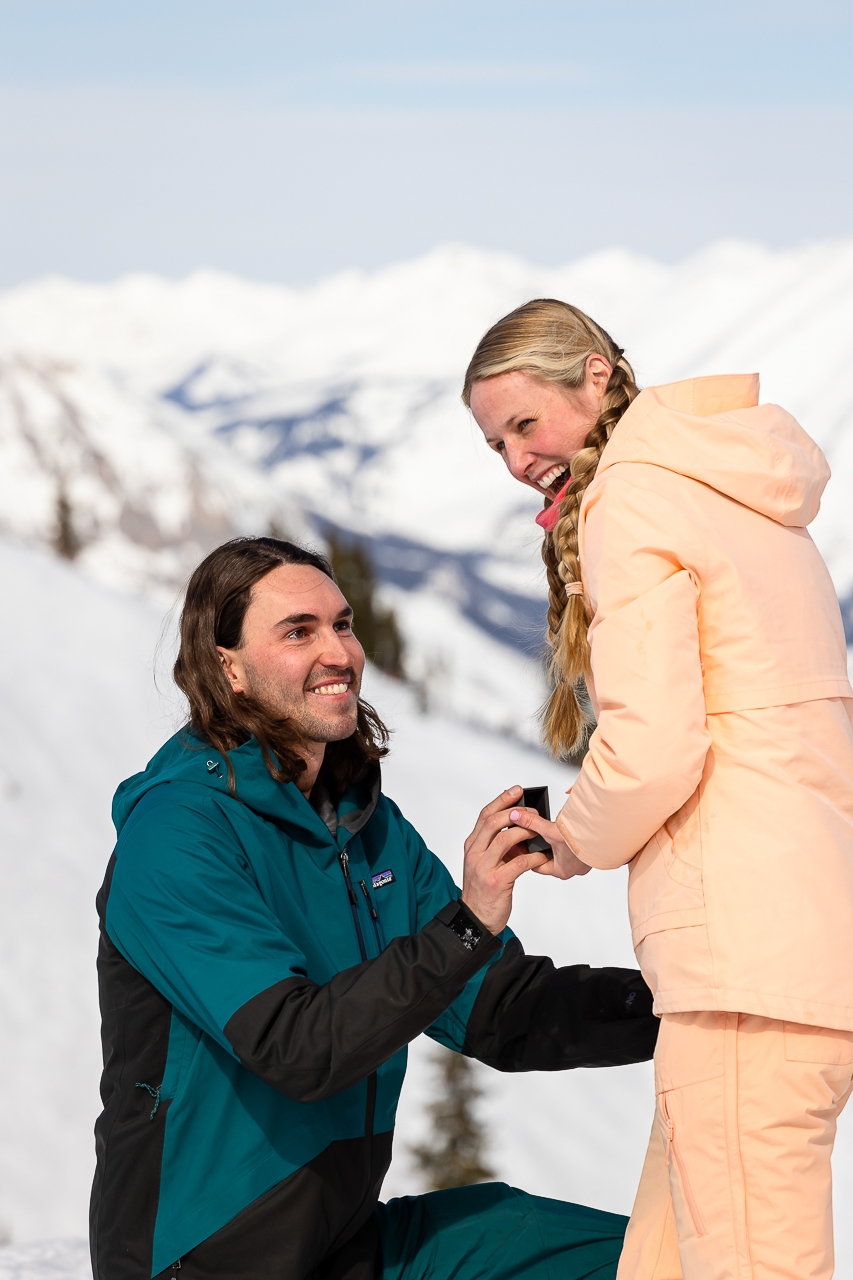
(736, 1184)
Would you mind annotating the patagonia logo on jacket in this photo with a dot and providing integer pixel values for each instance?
(383, 878)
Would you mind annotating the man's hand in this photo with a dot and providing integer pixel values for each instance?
(565, 862)
(493, 861)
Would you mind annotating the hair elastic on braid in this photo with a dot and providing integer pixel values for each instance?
(574, 588)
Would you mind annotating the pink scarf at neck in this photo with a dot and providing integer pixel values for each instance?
(549, 516)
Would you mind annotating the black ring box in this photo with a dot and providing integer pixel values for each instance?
(537, 798)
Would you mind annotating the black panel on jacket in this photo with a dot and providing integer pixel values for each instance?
(311, 1041)
(135, 1024)
(531, 1016)
(318, 1224)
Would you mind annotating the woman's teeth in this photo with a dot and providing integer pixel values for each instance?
(550, 476)
(329, 689)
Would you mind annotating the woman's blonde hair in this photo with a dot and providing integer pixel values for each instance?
(553, 341)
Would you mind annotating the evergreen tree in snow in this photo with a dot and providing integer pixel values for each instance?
(66, 541)
(455, 1155)
(375, 625)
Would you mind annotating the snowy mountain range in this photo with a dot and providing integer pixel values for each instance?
(172, 414)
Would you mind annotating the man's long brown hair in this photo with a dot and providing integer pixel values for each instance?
(217, 597)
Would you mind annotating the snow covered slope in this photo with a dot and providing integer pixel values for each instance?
(80, 712)
(173, 413)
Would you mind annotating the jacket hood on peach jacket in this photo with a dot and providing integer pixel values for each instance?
(763, 459)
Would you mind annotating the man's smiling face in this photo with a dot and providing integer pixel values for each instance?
(298, 656)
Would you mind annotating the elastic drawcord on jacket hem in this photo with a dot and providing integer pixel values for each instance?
(155, 1094)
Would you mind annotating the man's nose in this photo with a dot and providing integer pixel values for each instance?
(334, 651)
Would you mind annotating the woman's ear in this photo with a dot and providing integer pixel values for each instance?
(232, 668)
(598, 371)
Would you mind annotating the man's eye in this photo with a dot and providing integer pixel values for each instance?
(525, 422)
(297, 634)
(344, 626)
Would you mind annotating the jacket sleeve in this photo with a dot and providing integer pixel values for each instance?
(531, 1016)
(521, 1013)
(643, 562)
(184, 910)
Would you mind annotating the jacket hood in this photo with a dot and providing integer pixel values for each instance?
(714, 431)
(186, 758)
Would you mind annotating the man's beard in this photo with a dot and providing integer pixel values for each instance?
(282, 704)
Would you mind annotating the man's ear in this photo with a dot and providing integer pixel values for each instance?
(232, 667)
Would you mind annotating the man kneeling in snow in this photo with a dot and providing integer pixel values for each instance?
(273, 934)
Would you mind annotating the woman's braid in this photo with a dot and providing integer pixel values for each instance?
(565, 723)
(552, 340)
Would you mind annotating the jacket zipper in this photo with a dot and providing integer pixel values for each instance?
(373, 912)
(353, 901)
(371, 1079)
(672, 1145)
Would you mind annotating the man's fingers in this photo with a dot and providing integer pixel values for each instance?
(498, 805)
(524, 862)
(504, 801)
(495, 848)
(489, 829)
(503, 844)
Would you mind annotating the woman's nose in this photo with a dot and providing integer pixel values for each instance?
(517, 459)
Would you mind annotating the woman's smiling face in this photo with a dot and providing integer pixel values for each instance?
(537, 427)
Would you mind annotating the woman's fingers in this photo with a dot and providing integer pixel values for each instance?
(565, 862)
(563, 868)
(530, 818)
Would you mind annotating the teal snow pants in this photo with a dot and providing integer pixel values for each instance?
(495, 1232)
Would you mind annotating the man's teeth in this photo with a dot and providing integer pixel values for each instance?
(550, 476)
(331, 688)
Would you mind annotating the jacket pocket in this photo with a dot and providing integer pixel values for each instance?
(664, 891)
(818, 1044)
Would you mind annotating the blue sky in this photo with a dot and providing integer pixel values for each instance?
(283, 141)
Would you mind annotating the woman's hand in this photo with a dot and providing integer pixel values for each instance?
(565, 863)
(493, 861)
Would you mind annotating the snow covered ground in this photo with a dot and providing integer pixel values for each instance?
(78, 701)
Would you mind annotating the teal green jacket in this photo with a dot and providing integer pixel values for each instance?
(263, 965)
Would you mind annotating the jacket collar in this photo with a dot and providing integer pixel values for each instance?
(186, 758)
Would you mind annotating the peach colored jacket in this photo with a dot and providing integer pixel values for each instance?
(721, 769)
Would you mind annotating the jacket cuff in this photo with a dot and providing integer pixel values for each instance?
(471, 933)
(563, 828)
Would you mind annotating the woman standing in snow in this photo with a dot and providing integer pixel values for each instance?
(684, 587)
